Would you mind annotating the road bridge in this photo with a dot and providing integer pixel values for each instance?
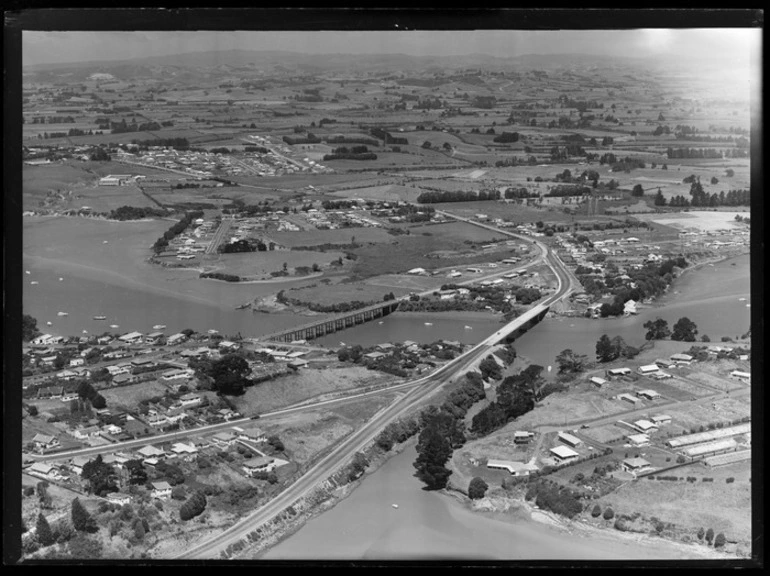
(334, 323)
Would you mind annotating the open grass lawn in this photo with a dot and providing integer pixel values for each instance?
(37, 181)
(128, 397)
(108, 198)
(456, 231)
(345, 292)
(340, 236)
(723, 507)
(388, 193)
(260, 264)
(407, 252)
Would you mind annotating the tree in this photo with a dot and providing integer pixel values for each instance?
(194, 506)
(701, 533)
(720, 540)
(137, 475)
(656, 329)
(705, 338)
(477, 488)
(709, 535)
(230, 375)
(597, 511)
(660, 200)
(684, 330)
(276, 443)
(43, 531)
(637, 191)
(609, 514)
(100, 476)
(28, 328)
(569, 362)
(605, 350)
(426, 144)
(98, 402)
(81, 519)
(433, 451)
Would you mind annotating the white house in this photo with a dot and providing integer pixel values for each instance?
(564, 454)
(639, 440)
(258, 464)
(636, 465)
(132, 337)
(740, 374)
(645, 426)
(190, 399)
(118, 498)
(629, 308)
(45, 441)
(648, 369)
(161, 490)
(514, 468)
(598, 381)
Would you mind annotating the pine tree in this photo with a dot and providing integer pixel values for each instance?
(81, 519)
(43, 531)
(433, 451)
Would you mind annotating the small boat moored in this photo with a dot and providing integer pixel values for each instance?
(395, 505)
(159, 327)
(34, 282)
(62, 314)
(100, 317)
(429, 324)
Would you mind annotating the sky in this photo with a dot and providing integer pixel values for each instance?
(715, 43)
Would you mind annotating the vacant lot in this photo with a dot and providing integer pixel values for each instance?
(306, 384)
(387, 193)
(698, 220)
(455, 231)
(689, 506)
(128, 397)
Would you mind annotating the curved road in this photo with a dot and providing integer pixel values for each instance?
(421, 389)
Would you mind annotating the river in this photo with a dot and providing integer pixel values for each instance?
(430, 526)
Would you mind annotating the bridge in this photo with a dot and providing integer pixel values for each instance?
(320, 328)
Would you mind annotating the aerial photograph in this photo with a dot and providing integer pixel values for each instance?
(403, 295)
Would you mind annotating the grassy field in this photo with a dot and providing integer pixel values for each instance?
(345, 292)
(388, 193)
(339, 236)
(456, 231)
(413, 251)
(306, 384)
(128, 397)
(690, 506)
(259, 265)
(698, 220)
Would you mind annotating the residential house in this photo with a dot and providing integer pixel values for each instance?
(629, 308)
(616, 372)
(638, 440)
(120, 498)
(522, 437)
(175, 339)
(636, 465)
(177, 374)
(661, 419)
(648, 394)
(150, 451)
(44, 470)
(628, 398)
(153, 337)
(132, 338)
(258, 464)
(161, 490)
(564, 454)
(184, 451)
(569, 439)
(224, 439)
(645, 426)
(648, 369)
(77, 362)
(252, 435)
(514, 468)
(77, 464)
(45, 442)
(191, 399)
(597, 381)
(681, 358)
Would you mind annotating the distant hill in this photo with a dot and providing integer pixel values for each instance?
(231, 60)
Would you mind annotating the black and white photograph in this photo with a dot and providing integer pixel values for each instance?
(373, 286)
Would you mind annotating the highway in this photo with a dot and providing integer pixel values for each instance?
(418, 392)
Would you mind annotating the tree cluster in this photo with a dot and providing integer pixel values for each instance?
(554, 497)
(516, 395)
(432, 197)
(609, 349)
(194, 506)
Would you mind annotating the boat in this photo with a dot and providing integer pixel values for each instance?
(748, 305)
(469, 327)
(159, 327)
(395, 505)
(105, 242)
(33, 282)
(100, 317)
(61, 279)
(114, 326)
(429, 324)
(62, 314)
(213, 331)
(85, 331)
(380, 322)
(739, 299)
(27, 272)
(48, 323)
